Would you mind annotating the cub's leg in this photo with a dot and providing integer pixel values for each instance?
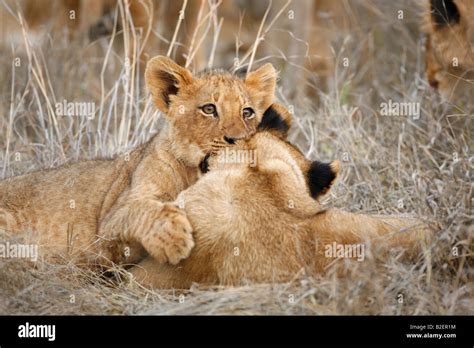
(161, 228)
(383, 232)
(140, 215)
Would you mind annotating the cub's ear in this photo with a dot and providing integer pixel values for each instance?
(321, 176)
(276, 118)
(164, 78)
(262, 83)
(444, 12)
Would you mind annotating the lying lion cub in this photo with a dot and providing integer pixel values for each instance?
(260, 221)
(83, 211)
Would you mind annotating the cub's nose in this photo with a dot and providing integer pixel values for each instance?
(229, 140)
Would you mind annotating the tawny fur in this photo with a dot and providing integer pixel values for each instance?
(259, 224)
(450, 49)
(95, 211)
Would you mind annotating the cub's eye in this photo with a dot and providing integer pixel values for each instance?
(248, 113)
(209, 109)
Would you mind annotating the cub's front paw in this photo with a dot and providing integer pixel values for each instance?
(170, 238)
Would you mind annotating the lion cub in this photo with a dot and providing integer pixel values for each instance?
(260, 220)
(110, 209)
(449, 25)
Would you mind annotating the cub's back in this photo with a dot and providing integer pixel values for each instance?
(58, 207)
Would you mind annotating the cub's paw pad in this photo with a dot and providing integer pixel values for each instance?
(170, 238)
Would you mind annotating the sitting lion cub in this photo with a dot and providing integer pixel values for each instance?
(256, 217)
(110, 209)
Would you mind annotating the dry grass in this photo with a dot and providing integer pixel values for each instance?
(390, 165)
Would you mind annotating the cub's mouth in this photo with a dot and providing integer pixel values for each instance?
(215, 146)
(276, 119)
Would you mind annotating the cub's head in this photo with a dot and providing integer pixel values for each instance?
(212, 105)
(449, 25)
(270, 165)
